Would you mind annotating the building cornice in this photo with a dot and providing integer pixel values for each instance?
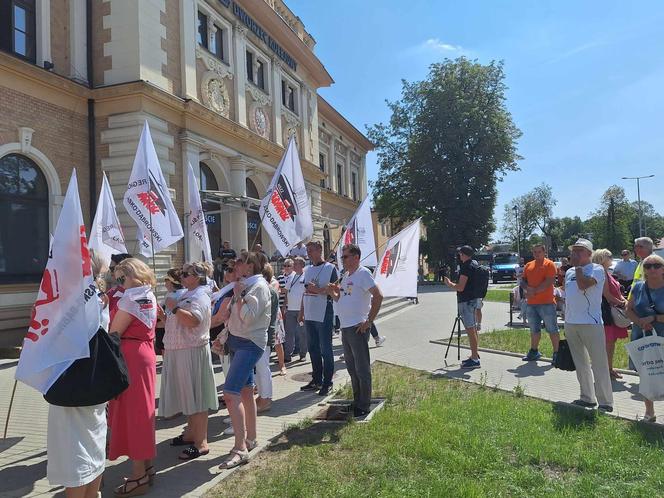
(338, 200)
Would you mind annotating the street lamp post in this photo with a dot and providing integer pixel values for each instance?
(518, 229)
(638, 194)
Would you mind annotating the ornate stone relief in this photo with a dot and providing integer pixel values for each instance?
(215, 94)
(339, 148)
(291, 127)
(213, 64)
(354, 158)
(323, 137)
(258, 117)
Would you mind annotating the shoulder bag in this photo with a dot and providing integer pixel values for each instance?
(94, 380)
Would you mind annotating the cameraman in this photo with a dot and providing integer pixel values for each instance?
(467, 303)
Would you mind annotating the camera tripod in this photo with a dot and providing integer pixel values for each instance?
(455, 328)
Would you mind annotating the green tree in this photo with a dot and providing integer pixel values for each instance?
(535, 212)
(564, 232)
(449, 139)
(609, 225)
(653, 222)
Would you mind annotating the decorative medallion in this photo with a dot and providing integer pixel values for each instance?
(215, 95)
(259, 121)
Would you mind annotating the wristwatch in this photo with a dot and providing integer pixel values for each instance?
(174, 310)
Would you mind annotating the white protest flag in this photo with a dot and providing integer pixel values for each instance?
(66, 313)
(359, 231)
(396, 275)
(148, 201)
(199, 243)
(286, 209)
(106, 237)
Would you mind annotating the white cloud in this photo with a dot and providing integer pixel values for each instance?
(435, 45)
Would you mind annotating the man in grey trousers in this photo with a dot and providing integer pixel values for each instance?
(358, 302)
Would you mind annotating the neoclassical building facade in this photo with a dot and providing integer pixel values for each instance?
(223, 85)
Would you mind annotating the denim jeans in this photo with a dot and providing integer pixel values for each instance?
(319, 340)
(542, 312)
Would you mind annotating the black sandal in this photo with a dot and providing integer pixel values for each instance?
(139, 489)
(179, 441)
(191, 453)
(151, 474)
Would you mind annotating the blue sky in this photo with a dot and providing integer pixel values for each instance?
(586, 80)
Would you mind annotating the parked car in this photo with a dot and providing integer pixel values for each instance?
(504, 266)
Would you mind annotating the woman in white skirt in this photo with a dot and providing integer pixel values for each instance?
(76, 437)
(187, 377)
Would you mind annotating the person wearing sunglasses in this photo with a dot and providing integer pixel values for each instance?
(187, 377)
(358, 303)
(645, 308)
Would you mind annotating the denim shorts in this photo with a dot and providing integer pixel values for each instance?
(467, 312)
(244, 358)
(537, 313)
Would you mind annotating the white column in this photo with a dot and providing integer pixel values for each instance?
(240, 74)
(188, 18)
(43, 25)
(276, 102)
(239, 215)
(349, 190)
(332, 164)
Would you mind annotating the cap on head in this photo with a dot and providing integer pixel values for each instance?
(466, 251)
(585, 243)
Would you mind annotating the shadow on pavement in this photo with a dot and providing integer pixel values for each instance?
(530, 369)
(22, 478)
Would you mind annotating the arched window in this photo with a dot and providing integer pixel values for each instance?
(252, 191)
(253, 218)
(326, 241)
(24, 236)
(207, 180)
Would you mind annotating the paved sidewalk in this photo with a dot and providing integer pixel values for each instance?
(408, 332)
(407, 344)
(23, 453)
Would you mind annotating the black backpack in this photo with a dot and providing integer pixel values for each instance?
(480, 280)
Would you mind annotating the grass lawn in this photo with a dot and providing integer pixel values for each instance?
(518, 341)
(498, 295)
(444, 438)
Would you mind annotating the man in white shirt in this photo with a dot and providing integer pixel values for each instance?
(584, 328)
(294, 287)
(358, 303)
(318, 315)
(625, 268)
(298, 250)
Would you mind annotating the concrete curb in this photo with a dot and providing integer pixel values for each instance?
(442, 342)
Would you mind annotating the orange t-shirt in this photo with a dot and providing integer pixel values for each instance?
(534, 274)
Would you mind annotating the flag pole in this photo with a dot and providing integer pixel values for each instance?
(11, 402)
(147, 174)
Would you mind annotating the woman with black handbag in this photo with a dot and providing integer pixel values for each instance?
(76, 436)
(132, 414)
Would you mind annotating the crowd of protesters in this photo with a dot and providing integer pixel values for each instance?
(237, 310)
(594, 300)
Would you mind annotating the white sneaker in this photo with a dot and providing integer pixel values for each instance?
(341, 356)
(379, 341)
(229, 431)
